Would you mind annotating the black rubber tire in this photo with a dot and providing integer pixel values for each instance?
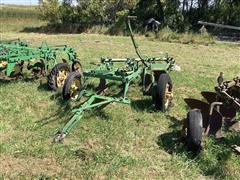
(67, 85)
(159, 100)
(51, 79)
(194, 130)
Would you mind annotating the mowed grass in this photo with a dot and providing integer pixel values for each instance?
(119, 141)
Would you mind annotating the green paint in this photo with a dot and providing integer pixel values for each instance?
(125, 71)
(15, 52)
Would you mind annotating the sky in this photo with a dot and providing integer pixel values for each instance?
(24, 2)
(19, 2)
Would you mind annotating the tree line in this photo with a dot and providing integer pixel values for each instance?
(178, 15)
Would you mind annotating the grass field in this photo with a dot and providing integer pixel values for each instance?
(120, 141)
(19, 18)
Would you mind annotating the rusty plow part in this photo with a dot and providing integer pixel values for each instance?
(228, 112)
(212, 124)
(215, 123)
(209, 96)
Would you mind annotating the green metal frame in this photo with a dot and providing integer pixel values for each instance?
(129, 70)
(17, 51)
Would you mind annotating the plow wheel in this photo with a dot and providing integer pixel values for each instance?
(72, 86)
(58, 75)
(3, 65)
(164, 93)
(194, 130)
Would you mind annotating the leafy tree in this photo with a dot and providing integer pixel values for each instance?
(179, 15)
(50, 10)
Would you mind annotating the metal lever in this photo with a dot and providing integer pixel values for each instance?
(132, 17)
(133, 39)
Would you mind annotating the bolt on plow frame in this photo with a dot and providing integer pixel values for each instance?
(208, 118)
(151, 71)
(15, 55)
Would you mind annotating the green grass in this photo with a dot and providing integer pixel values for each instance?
(20, 12)
(19, 18)
(120, 141)
(167, 35)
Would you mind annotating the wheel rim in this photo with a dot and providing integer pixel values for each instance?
(168, 96)
(74, 89)
(3, 64)
(77, 66)
(62, 75)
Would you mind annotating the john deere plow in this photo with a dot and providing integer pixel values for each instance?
(16, 56)
(151, 71)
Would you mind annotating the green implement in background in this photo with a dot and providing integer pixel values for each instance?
(14, 54)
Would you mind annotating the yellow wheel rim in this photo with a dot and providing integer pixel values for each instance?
(168, 96)
(74, 89)
(61, 77)
(3, 64)
(77, 66)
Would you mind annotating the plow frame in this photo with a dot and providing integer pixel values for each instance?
(129, 71)
(18, 52)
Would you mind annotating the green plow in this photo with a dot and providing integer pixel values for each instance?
(153, 72)
(15, 55)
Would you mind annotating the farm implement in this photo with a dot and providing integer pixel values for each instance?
(207, 118)
(15, 55)
(152, 71)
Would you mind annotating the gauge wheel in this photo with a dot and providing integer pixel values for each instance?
(72, 86)
(194, 130)
(164, 93)
(58, 75)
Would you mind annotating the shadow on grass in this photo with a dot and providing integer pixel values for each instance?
(213, 160)
(55, 29)
(142, 105)
(75, 28)
(25, 79)
(2, 81)
(65, 109)
(43, 87)
(172, 142)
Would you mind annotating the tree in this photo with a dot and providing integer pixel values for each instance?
(50, 10)
(179, 15)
